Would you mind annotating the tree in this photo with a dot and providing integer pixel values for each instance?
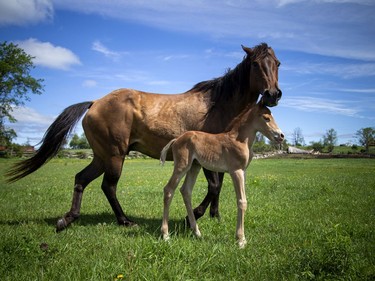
(74, 142)
(260, 143)
(83, 143)
(330, 139)
(298, 137)
(317, 146)
(79, 142)
(15, 85)
(366, 137)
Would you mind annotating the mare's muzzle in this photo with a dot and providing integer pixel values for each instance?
(271, 98)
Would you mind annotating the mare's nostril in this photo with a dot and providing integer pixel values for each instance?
(279, 94)
(282, 136)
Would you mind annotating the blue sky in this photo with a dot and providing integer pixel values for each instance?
(85, 49)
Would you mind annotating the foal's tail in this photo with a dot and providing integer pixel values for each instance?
(163, 154)
(53, 139)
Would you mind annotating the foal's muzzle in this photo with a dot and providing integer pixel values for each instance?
(279, 138)
(271, 98)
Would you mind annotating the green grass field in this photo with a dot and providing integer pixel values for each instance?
(306, 220)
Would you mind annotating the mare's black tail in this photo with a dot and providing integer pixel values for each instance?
(53, 139)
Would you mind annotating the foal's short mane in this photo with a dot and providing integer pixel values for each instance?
(234, 82)
(235, 123)
(244, 115)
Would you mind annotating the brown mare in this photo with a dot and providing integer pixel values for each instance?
(228, 152)
(126, 120)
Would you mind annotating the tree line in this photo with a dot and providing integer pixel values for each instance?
(364, 136)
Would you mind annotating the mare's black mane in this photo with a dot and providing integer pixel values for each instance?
(235, 82)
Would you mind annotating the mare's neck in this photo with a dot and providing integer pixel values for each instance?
(228, 96)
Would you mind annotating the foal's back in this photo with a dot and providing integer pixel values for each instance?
(215, 152)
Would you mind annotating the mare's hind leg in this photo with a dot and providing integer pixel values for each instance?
(215, 181)
(82, 179)
(109, 186)
(215, 191)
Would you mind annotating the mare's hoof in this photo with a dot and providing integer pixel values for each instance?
(198, 234)
(215, 216)
(187, 223)
(128, 223)
(61, 225)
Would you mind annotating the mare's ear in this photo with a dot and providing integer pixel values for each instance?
(247, 50)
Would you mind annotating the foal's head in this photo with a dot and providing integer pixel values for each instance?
(265, 123)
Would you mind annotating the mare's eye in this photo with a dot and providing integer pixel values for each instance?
(267, 119)
(255, 64)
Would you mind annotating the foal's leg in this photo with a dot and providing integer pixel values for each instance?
(82, 179)
(186, 191)
(238, 178)
(215, 181)
(169, 190)
(109, 186)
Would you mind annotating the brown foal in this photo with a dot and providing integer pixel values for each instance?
(228, 152)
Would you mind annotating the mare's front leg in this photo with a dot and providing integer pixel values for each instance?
(186, 191)
(238, 178)
(215, 181)
(169, 190)
(109, 186)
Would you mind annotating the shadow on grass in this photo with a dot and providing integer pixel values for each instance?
(144, 224)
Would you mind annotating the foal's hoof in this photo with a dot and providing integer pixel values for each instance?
(166, 237)
(61, 225)
(242, 243)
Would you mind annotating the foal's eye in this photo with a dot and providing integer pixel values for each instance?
(255, 64)
(267, 119)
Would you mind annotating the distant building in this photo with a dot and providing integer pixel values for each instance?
(295, 150)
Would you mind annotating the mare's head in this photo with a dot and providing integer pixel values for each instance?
(266, 124)
(264, 67)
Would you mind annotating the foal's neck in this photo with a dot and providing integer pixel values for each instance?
(244, 129)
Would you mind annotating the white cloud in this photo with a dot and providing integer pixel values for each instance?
(89, 83)
(312, 104)
(31, 125)
(360, 91)
(281, 3)
(343, 70)
(99, 47)
(29, 115)
(21, 12)
(174, 57)
(48, 55)
(297, 25)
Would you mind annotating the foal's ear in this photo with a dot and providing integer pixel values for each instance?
(261, 104)
(247, 50)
